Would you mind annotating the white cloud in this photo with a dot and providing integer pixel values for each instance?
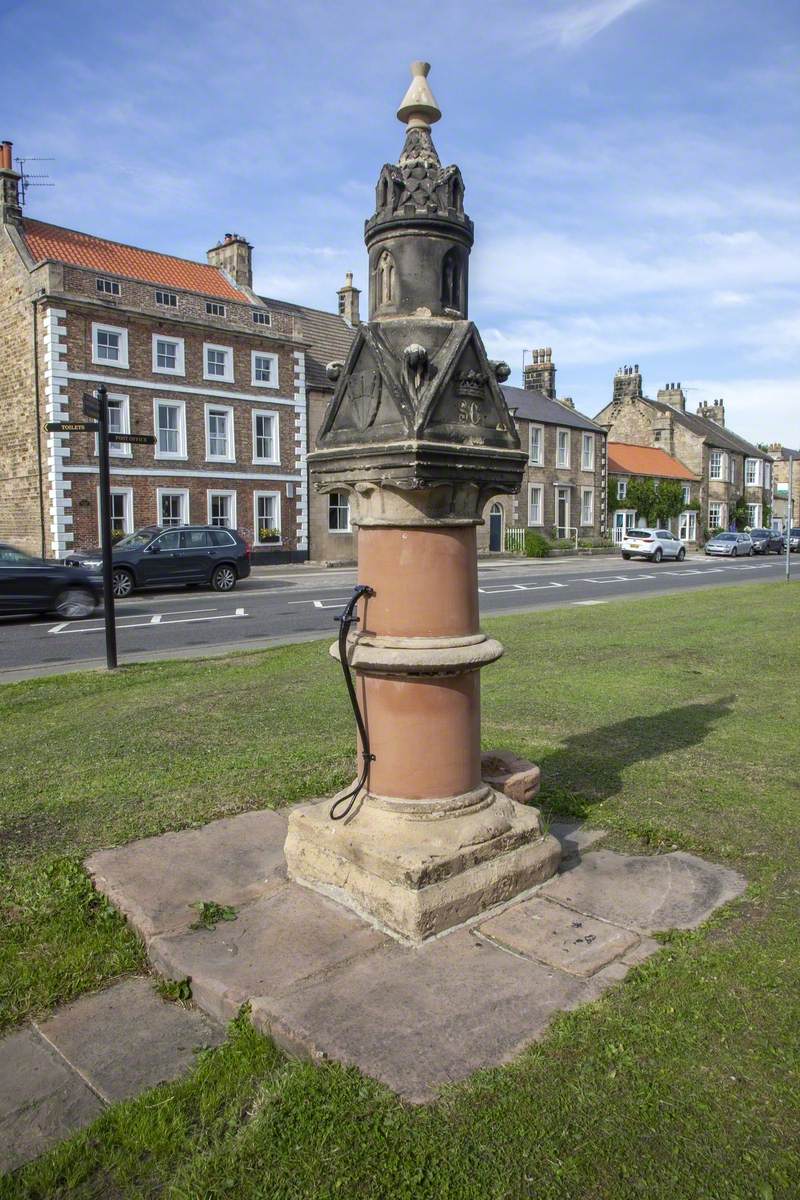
(760, 409)
(579, 23)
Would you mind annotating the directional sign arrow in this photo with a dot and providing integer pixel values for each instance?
(71, 427)
(136, 439)
(91, 405)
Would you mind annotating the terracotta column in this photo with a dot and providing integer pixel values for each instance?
(419, 433)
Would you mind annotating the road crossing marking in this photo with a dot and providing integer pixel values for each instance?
(575, 603)
(71, 627)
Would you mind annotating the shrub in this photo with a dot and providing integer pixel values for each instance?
(594, 543)
(536, 546)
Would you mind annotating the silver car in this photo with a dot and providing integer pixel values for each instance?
(654, 544)
(733, 544)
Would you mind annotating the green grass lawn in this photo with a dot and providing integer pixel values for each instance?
(672, 722)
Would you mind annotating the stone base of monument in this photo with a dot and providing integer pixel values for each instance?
(326, 984)
(418, 877)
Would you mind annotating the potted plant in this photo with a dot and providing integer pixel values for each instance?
(266, 534)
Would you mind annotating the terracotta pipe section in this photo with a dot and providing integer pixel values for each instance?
(6, 161)
(425, 581)
(425, 734)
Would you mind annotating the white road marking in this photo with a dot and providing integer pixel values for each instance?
(72, 628)
(521, 587)
(611, 579)
(577, 602)
(328, 602)
(156, 620)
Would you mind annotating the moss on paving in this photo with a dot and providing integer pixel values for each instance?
(672, 722)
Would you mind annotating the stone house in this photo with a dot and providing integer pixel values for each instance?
(781, 456)
(188, 353)
(328, 336)
(627, 462)
(564, 485)
(728, 467)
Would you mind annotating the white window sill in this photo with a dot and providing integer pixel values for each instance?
(266, 462)
(168, 371)
(339, 532)
(110, 362)
(213, 458)
(268, 545)
(165, 457)
(218, 378)
(261, 383)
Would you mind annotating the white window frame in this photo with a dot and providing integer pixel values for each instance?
(123, 449)
(262, 317)
(107, 287)
(563, 465)
(757, 473)
(231, 455)
(689, 519)
(170, 302)
(722, 521)
(127, 493)
(216, 308)
(277, 496)
(183, 493)
(622, 489)
(231, 494)
(590, 493)
(536, 462)
(767, 475)
(756, 522)
(122, 362)
(276, 455)
(587, 462)
(227, 377)
(271, 383)
(348, 528)
(181, 406)
(686, 493)
(535, 487)
(180, 356)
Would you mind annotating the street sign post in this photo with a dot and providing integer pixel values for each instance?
(789, 520)
(133, 439)
(101, 400)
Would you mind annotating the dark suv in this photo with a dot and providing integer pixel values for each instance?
(159, 557)
(766, 540)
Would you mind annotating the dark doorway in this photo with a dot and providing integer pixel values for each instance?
(496, 528)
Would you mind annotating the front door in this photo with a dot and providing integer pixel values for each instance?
(688, 528)
(562, 512)
(496, 528)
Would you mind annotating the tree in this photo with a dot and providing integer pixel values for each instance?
(642, 499)
(737, 515)
(669, 500)
(614, 501)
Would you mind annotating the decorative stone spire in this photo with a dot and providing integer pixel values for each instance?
(419, 106)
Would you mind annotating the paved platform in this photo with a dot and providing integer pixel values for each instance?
(326, 984)
(59, 1075)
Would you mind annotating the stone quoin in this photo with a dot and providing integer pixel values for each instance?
(418, 433)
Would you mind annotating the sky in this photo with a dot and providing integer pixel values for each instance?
(631, 166)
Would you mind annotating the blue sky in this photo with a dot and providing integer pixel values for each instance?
(631, 165)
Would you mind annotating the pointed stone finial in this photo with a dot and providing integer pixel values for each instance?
(419, 106)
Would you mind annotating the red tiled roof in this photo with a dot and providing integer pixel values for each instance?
(113, 258)
(625, 459)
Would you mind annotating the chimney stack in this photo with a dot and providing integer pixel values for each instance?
(712, 412)
(672, 394)
(628, 383)
(10, 207)
(540, 374)
(348, 301)
(234, 255)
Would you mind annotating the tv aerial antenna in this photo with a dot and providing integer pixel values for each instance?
(29, 179)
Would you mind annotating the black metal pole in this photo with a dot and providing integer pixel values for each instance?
(105, 529)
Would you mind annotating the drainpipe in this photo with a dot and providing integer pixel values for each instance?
(37, 402)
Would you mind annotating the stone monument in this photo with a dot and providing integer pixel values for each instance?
(418, 433)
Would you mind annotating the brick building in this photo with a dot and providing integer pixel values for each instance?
(564, 486)
(728, 468)
(188, 353)
(627, 462)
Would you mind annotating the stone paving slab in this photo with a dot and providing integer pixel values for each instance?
(126, 1039)
(274, 944)
(418, 1018)
(42, 1100)
(560, 937)
(155, 881)
(645, 893)
(574, 837)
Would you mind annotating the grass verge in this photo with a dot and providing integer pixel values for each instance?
(670, 721)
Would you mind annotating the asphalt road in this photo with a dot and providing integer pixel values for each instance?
(302, 603)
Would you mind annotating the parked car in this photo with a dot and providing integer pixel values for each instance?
(30, 584)
(794, 540)
(156, 557)
(654, 544)
(766, 540)
(733, 544)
